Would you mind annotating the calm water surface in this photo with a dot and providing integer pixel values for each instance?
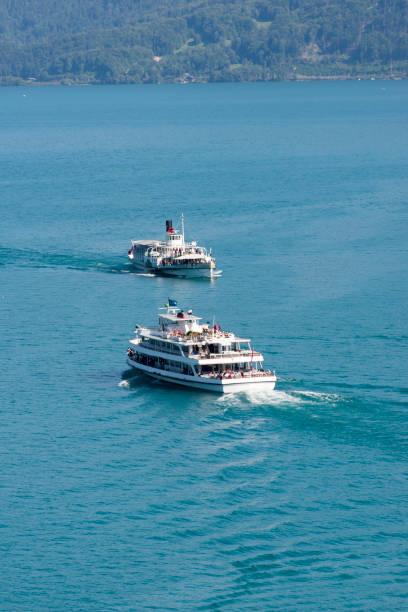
(121, 493)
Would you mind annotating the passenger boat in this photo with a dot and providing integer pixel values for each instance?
(183, 351)
(173, 256)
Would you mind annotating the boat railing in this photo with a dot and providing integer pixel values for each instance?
(194, 336)
(228, 354)
(188, 264)
(239, 374)
(201, 354)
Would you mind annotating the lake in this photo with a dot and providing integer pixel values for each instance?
(122, 493)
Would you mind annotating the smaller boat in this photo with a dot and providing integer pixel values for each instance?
(173, 256)
(183, 351)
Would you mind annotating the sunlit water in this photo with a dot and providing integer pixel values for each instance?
(119, 492)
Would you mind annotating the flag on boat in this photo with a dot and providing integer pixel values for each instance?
(172, 302)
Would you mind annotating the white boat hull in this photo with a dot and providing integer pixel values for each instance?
(184, 272)
(224, 385)
(189, 272)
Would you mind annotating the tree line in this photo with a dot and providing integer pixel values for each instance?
(146, 41)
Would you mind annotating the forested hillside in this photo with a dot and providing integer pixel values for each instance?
(149, 41)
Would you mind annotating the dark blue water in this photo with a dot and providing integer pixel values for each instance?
(125, 494)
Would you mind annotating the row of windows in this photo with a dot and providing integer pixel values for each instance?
(158, 345)
(158, 362)
(209, 349)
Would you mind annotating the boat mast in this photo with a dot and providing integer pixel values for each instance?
(182, 225)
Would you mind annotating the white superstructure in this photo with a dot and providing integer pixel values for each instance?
(173, 256)
(183, 351)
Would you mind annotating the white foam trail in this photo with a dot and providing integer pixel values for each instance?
(258, 397)
(144, 274)
(124, 383)
(262, 397)
(273, 397)
(320, 397)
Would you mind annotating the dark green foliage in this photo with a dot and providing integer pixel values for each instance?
(138, 41)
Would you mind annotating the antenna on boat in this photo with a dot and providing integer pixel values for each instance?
(182, 224)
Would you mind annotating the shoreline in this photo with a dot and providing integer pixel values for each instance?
(299, 78)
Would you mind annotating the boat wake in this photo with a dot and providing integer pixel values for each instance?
(147, 274)
(81, 262)
(85, 262)
(279, 398)
(259, 397)
(314, 397)
(124, 383)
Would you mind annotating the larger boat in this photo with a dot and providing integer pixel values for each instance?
(183, 351)
(173, 256)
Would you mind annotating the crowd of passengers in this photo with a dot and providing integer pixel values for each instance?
(183, 262)
(238, 372)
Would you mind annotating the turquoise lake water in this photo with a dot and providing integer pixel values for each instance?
(123, 493)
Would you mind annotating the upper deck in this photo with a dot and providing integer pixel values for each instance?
(173, 244)
(146, 243)
(205, 337)
(189, 250)
(184, 329)
(182, 336)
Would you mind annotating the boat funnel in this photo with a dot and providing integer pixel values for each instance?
(169, 224)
